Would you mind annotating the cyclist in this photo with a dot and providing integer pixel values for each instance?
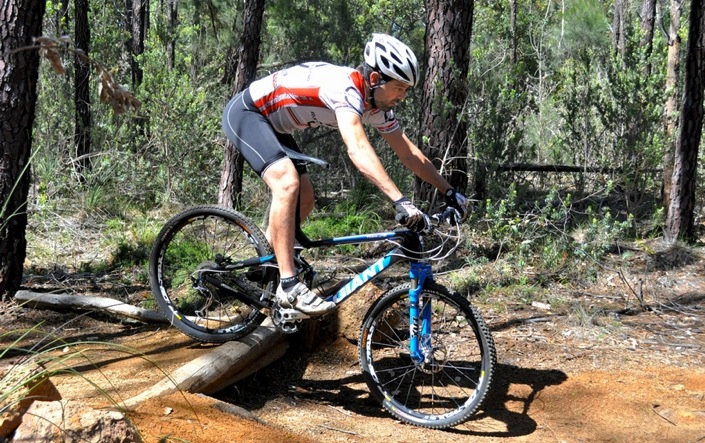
(261, 119)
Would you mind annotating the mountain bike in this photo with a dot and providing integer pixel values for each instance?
(426, 353)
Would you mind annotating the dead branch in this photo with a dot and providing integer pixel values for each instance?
(38, 300)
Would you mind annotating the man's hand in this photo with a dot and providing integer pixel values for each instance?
(457, 201)
(410, 216)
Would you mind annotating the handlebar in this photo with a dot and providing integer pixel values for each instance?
(441, 242)
(449, 215)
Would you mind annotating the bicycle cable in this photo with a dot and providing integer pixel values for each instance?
(436, 253)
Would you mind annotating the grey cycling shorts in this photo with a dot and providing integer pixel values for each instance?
(254, 136)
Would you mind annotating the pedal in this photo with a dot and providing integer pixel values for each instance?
(291, 315)
(287, 328)
(286, 320)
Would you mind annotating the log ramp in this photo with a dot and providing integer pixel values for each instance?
(223, 366)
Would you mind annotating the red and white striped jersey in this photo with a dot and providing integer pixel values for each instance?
(309, 95)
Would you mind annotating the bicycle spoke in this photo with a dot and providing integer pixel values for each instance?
(187, 272)
(454, 376)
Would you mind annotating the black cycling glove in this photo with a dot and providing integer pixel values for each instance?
(410, 216)
(457, 201)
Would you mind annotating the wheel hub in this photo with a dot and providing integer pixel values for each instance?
(434, 360)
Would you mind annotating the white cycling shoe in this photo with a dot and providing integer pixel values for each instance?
(303, 300)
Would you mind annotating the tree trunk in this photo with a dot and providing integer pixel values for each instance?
(513, 44)
(222, 367)
(20, 22)
(61, 19)
(248, 56)
(172, 17)
(648, 14)
(66, 302)
(231, 177)
(82, 98)
(128, 26)
(443, 134)
(618, 27)
(680, 223)
(671, 110)
(140, 16)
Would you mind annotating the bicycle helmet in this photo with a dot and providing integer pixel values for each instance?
(392, 58)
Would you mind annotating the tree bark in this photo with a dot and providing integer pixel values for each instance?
(140, 16)
(680, 223)
(82, 98)
(671, 109)
(220, 368)
(172, 17)
(248, 55)
(618, 27)
(61, 19)
(128, 27)
(513, 43)
(447, 50)
(20, 23)
(648, 14)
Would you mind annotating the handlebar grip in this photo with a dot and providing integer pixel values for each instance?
(450, 214)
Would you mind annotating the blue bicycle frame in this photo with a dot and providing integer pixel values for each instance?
(419, 273)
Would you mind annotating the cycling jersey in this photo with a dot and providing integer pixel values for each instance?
(309, 95)
(259, 121)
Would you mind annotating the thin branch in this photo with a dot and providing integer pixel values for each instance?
(656, 412)
(339, 430)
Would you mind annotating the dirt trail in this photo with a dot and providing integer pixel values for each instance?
(590, 371)
(551, 385)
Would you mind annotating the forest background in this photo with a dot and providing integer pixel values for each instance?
(568, 133)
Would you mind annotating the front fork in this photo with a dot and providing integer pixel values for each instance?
(419, 318)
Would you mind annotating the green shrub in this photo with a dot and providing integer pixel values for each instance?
(551, 234)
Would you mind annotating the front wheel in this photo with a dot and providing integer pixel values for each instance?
(192, 251)
(453, 380)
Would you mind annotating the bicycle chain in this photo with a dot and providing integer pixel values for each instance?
(276, 312)
(253, 290)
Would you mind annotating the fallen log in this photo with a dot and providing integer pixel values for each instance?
(207, 374)
(223, 366)
(39, 300)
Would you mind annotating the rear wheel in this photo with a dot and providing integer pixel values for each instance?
(450, 385)
(195, 247)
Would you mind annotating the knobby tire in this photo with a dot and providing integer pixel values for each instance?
(191, 243)
(440, 393)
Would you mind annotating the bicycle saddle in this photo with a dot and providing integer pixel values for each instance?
(294, 155)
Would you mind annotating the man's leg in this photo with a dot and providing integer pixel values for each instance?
(283, 180)
(307, 201)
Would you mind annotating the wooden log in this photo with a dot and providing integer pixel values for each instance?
(40, 300)
(223, 366)
(211, 372)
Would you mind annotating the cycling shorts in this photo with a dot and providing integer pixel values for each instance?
(252, 134)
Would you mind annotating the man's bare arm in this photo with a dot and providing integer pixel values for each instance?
(363, 154)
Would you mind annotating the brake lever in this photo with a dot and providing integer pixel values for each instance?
(449, 215)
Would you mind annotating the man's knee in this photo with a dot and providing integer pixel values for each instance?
(282, 178)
